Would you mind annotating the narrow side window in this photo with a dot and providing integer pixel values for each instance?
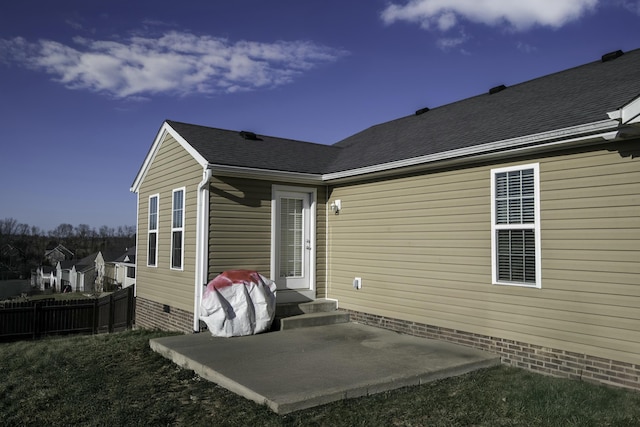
(177, 229)
(152, 232)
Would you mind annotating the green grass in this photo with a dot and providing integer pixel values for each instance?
(58, 296)
(117, 380)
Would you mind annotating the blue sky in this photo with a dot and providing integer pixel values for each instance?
(85, 85)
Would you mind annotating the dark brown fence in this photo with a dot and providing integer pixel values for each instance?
(34, 319)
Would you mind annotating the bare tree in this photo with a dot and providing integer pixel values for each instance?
(83, 231)
(106, 231)
(63, 231)
(8, 226)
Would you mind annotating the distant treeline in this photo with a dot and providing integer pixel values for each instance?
(22, 246)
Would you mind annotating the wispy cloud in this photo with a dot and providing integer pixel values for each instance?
(517, 15)
(174, 63)
(447, 43)
(630, 5)
(525, 47)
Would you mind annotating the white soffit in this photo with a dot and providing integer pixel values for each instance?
(255, 173)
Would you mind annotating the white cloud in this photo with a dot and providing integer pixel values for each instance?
(518, 15)
(176, 63)
(631, 5)
(452, 42)
(525, 47)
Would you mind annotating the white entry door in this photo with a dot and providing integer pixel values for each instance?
(293, 239)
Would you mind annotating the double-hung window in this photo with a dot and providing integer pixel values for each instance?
(177, 229)
(152, 232)
(515, 227)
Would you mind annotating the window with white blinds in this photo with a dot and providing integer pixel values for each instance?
(177, 229)
(515, 225)
(291, 237)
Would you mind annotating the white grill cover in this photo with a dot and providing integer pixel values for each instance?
(237, 303)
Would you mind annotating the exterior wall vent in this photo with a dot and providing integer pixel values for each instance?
(250, 136)
(612, 55)
(497, 89)
(422, 111)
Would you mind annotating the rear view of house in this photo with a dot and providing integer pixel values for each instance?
(509, 221)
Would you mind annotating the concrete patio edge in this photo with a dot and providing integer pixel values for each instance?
(304, 368)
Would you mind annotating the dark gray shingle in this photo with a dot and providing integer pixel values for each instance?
(568, 98)
(229, 148)
(573, 97)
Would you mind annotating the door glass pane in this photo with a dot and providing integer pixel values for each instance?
(291, 237)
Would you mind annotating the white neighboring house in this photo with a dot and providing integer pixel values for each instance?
(45, 278)
(121, 272)
(77, 275)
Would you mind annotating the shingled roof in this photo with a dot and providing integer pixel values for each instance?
(572, 98)
(233, 148)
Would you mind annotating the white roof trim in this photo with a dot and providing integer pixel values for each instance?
(629, 114)
(564, 135)
(255, 173)
(165, 130)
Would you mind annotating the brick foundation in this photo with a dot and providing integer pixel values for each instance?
(153, 315)
(549, 361)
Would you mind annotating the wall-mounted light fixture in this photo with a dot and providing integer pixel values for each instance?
(336, 205)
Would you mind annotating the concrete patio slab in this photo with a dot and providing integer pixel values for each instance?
(301, 368)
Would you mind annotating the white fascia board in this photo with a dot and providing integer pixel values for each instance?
(266, 174)
(629, 114)
(165, 130)
(604, 129)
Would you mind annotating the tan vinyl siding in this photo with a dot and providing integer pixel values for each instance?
(321, 242)
(172, 168)
(240, 227)
(422, 247)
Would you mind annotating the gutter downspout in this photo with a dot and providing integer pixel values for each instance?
(202, 223)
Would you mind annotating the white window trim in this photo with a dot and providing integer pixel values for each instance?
(149, 231)
(535, 226)
(184, 204)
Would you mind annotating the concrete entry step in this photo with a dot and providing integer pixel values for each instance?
(320, 312)
(313, 319)
(294, 309)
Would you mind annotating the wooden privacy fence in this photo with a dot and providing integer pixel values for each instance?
(34, 319)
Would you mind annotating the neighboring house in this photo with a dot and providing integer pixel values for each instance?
(509, 221)
(104, 260)
(79, 275)
(45, 278)
(11, 262)
(58, 254)
(64, 276)
(121, 271)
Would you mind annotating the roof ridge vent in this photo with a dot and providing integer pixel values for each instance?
(497, 89)
(612, 55)
(249, 136)
(422, 111)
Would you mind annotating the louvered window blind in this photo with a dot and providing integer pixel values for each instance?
(514, 226)
(291, 237)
